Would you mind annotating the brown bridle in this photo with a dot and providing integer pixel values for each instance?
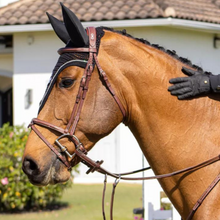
(81, 152)
(69, 131)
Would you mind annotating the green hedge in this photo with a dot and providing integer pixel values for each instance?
(16, 192)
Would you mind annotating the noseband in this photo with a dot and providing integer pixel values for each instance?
(80, 151)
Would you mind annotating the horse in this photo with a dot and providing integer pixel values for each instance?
(172, 134)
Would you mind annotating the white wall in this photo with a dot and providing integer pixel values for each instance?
(33, 65)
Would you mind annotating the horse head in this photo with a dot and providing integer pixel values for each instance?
(70, 116)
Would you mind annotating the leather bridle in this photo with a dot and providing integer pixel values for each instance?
(69, 131)
(80, 151)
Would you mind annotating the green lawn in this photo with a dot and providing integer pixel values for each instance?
(85, 203)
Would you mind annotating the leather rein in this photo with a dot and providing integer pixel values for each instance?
(81, 152)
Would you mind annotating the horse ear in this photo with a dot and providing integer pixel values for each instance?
(59, 28)
(74, 27)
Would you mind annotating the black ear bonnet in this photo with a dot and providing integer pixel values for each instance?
(74, 35)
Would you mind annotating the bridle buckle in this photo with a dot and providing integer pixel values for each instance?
(63, 148)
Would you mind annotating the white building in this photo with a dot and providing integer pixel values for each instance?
(28, 54)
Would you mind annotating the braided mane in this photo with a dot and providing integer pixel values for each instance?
(172, 53)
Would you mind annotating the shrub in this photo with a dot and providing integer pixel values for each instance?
(16, 192)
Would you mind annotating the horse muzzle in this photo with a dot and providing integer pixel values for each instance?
(43, 176)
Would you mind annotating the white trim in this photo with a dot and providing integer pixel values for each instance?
(25, 28)
(181, 23)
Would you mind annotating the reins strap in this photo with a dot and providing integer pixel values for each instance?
(103, 197)
(113, 196)
(96, 166)
(204, 195)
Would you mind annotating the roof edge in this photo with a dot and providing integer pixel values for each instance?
(180, 23)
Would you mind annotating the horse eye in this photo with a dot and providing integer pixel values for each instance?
(66, 83)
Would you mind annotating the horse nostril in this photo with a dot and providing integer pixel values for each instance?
(30, 167)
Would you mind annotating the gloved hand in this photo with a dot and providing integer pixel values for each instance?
(186, 87)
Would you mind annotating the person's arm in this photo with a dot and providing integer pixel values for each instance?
(197, 83)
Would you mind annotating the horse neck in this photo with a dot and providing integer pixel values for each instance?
(170, 132)
(152, 111)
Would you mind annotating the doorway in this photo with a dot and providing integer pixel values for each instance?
(6, 109)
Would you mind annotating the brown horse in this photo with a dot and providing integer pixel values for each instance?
(172, 134)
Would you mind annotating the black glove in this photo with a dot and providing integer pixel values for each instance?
(186, 87)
